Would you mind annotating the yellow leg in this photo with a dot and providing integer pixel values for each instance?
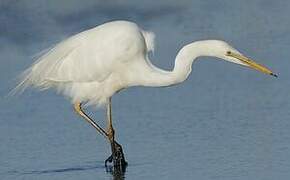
(78, 109)
(117, 156)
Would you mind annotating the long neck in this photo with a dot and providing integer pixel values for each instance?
(182, 68)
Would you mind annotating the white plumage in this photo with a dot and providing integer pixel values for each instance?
(87, 66)
(93, 65)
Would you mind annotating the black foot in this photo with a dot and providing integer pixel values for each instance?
(118, 160)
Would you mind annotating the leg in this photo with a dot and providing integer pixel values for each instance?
(117, 156)
(78, 109)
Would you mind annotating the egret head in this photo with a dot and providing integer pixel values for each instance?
(224, 51)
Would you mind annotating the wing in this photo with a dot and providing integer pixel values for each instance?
(90, 56)
(96, 53)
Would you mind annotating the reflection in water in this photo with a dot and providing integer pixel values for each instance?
(117, 173)
(59, 170)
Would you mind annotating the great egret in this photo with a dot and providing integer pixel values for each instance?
(90, 67)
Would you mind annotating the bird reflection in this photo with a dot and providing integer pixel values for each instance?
(118, 173)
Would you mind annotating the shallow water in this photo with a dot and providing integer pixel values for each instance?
(225, 122)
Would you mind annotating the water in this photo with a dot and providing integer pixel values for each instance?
(225, 122)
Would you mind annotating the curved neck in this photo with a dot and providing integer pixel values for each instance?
(157, 77)
(184, 60)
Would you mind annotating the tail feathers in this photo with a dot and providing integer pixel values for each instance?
(36, 74)
(29, 78)
(24, 82)
(25, 78)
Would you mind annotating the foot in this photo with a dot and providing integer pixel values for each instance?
(117, 158)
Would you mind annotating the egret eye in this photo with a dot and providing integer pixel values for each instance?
(229, 52)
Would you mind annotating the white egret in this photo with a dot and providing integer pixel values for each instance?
(90, 67)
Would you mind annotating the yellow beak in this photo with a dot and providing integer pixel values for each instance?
(252, 64)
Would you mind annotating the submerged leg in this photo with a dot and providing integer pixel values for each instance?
(117, 157)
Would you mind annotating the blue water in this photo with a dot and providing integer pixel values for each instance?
(225, 122)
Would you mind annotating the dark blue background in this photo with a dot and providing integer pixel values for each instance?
(224, 122)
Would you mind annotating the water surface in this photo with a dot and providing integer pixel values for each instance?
(225, 122)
